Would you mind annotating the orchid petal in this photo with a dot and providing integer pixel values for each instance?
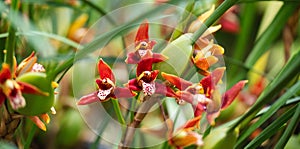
(187, 138)
(199, 110)
(45, 117)
(123, 93)
(105, 71)
(87, 99)
(38, 122)
(144, 65)
(5, 73)
(186, 96)
(30, 89)
(209, 82)
(26, 65)
(211, 30)
(133, 85)
(192, 123)
(164, 90)
(159, 58)
(211, 117)
(142, 33)
(230, 95)
(180, 83)
(132, 58)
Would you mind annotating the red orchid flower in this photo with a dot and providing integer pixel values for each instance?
(145, 80)
(12, 90)
(185, 135)
(107, 87)
(204, 96)
(143, 47)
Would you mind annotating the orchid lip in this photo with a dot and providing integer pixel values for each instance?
(102, 94)
(148, 88)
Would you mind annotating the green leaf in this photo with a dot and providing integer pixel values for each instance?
(273, 109)
(290, 70)
(271, 129)
(271, 33)
(290, 129)
(184, 20)
(178, 52)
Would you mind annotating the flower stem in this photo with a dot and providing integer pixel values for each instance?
(11, 40)
(118, 111)
(30, 136)
(217, 14)
(149, 101)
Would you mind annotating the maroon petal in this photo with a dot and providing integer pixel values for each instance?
(144, 65)
(151, 44)
(5, 73)
(133, 85)
(212, 116)
(186, 96)
(123, 93)
(192, 123)
(177, 81)
(158, 58)
(132, 58)
(30, 89)
(199, 110)
(164, 90)
(87, 99)
(142, 33)
(105, 71)
(230, 95)
(209, 82)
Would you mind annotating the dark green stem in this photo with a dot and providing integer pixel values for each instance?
(11, 40)
(30, 136)
(216, 15)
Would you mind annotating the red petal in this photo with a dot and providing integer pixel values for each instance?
(36, 120)
(105, 71)
(142, 33)
(133, 85)
(87, 99)
(164, 90)
(212, 116)
(177, 81)
(199, 110)
(30, 89)
(192, 123)
(5, 73)
(123, 93)
(26, 65)
(151, 44)
(158, 58)
(132, 58)
(186, 96)
(144, 65)
(230, 95)
(209, 82)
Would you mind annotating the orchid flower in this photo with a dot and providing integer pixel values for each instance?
(205, 95)
(143, 47)
(107, 88)
(185, 135)
(145, 80)
(12, 89)
(206, 54)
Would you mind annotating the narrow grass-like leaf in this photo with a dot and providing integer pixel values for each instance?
(290, 129)
(271, 33)
(279, 103)
(247, 22)
(271, 129)
(290, 70)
